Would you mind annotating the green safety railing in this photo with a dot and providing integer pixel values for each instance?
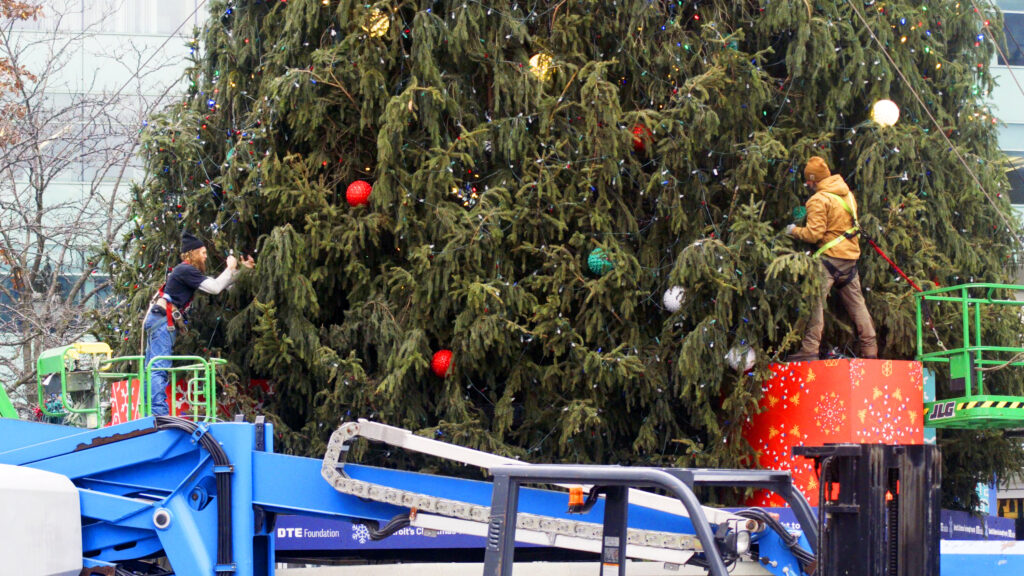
(200, 385)
(967, 364)
(86, 373)
(6, 408)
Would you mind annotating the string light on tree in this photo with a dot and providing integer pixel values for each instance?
(467, 197)
(885, 113)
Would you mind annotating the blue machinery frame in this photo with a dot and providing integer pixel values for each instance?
(205, 495)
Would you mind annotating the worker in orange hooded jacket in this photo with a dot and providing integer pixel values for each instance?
(832, 226)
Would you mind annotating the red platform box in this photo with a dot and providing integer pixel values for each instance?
(833, 401)
(119, 408)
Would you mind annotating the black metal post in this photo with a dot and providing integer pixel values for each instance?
(499, 554)
(613, 547)
(879, 507)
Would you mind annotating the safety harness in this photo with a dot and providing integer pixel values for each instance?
(172, 313)
(840, 278)
(848, 235)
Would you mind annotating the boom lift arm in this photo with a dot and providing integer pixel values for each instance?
(206, 496)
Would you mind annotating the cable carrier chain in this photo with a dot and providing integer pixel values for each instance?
(205, 494)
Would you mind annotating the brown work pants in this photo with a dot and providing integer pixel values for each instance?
(853, 301)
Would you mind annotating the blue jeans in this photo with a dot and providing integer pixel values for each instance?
(159, 342)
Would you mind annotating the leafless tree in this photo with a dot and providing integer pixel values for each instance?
(67, 158)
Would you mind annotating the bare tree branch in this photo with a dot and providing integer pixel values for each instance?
(67, 156)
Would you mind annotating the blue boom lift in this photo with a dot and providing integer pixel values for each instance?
(205, 494)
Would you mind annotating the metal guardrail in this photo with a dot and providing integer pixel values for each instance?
(968, 363)
(74, 384)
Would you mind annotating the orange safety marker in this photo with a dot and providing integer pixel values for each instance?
(575, 497)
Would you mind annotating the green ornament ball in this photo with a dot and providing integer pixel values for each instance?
(599, 262)
(799, 213)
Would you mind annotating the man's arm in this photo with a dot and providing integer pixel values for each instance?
(216, 285)
(817, 220)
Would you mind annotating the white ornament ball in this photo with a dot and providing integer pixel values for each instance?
(741, 356)
(885, 112)
(673, 298)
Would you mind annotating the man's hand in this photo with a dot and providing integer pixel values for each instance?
(232, 262)
(248, 262)
(789, 229)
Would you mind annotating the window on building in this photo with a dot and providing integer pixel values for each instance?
(1013, 26)
(1015, 174)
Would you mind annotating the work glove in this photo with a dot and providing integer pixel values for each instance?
(789, 229)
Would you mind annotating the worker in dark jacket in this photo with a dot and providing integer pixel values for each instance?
(171, 301)
(832, 226)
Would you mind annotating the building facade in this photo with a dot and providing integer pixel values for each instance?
(1008, 97)
(98, 70)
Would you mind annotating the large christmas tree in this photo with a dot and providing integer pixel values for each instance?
(542, 173)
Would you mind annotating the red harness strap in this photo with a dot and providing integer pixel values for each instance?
(168, 308)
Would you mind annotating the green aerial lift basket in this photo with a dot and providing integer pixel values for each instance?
(74, 384)
(968, 364)
(6, 408)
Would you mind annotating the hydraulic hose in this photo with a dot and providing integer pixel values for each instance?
(394, 525)
(805, 558)
(222, 470)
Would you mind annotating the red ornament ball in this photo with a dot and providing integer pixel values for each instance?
(641, 136)
(441, 362)
(358, 193)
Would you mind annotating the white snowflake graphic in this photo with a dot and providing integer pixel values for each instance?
(361, 533)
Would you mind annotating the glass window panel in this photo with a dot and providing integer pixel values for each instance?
(1013, 27)
(173, 15)
(1016, 177)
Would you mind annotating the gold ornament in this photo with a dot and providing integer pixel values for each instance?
(540, 66)
(377, 23)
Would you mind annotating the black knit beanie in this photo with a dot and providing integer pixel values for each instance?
(189, 243)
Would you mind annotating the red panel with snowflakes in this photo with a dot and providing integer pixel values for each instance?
(119, 406)
(829, 402)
